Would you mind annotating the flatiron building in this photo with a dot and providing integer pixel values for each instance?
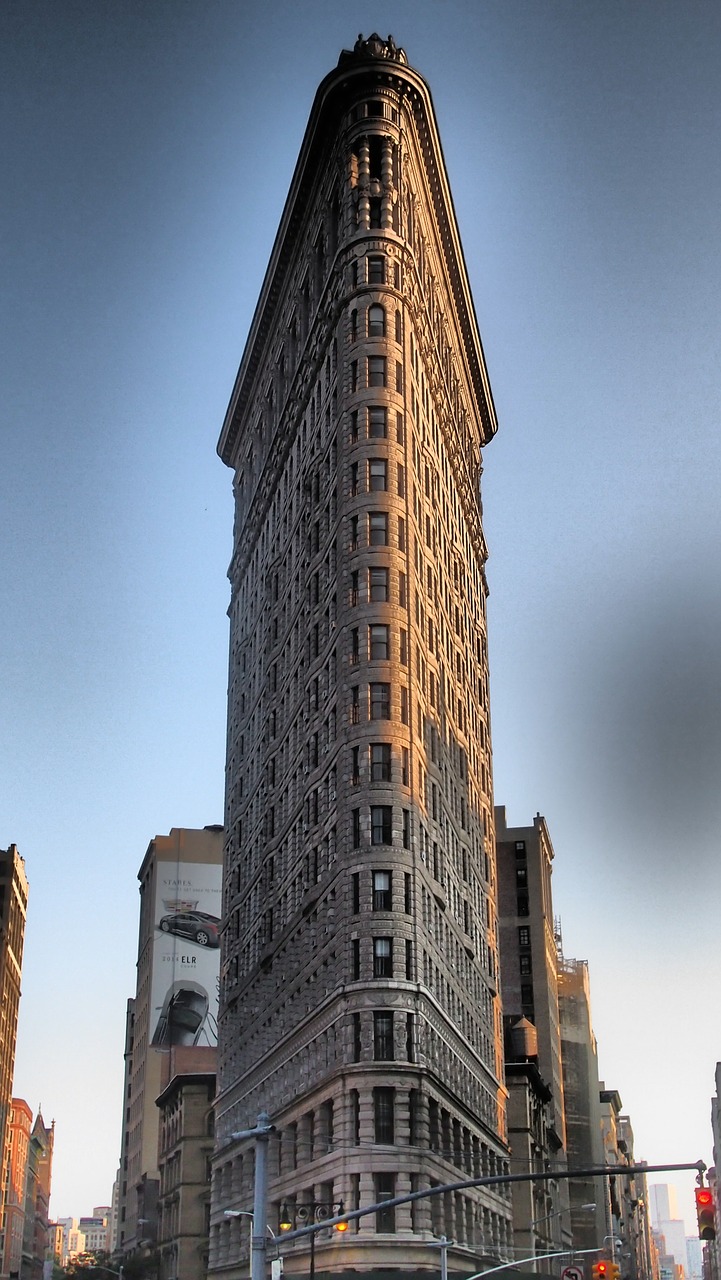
(359, 996)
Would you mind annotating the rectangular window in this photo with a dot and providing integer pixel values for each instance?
(379, 642)
(383, 1036)
(403, 648)
(383, 1113)
(355, 766)
(382, 957)
(405, 767)
(380, 762)
(354, 649)
(377, 475)
(525, 965)
(400, 431)
(376, 371)
(526, 993)
(522, 905)
(378, 585)
(376, 270)
(354, 705)
(354, 426)
(354, 587)
(357, 1041)
(354, 533)
(409, 960)
(356, 959)
(524, 936)
(381, 824)
(407, 893)
(385, 1189)
(377, 529)
(354, 375)
(376, 321)
(399, 377)
(401, 534)
(401, 480)
(402, 590)
(356, 892)
(380, 702)
(355, 820)
(404, 705)
(377, 423)
(406, 829)
(354, 479)
(382, 891)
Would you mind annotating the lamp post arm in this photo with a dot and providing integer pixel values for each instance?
(536, 1257)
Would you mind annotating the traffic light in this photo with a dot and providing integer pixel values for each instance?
(705, 1214)
(613, 1271)
(599, 1271)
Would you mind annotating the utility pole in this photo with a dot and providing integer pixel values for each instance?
(258, 1244)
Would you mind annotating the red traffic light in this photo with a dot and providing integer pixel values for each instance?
(705, 1213)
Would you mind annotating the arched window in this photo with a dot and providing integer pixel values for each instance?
(376, 322)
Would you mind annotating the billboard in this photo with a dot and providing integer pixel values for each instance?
(186, 954)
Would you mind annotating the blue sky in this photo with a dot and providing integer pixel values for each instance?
(147, 152)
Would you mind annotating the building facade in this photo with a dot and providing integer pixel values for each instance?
(175, 1003)
(581, 1090)
(185, 1147)
(529, 987)
(13, 913)
(37, 1241)
(360, 980)
(17, 1143)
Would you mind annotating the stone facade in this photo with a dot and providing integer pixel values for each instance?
(359, 991)
(185, 1145)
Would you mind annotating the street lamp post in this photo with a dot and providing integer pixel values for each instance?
(261, 1133)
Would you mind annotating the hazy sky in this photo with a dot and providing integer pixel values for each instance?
(147, 151)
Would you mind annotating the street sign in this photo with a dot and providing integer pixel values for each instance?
(572, 1273)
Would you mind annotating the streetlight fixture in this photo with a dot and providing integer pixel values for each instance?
(302, 1212)
(247, 1213)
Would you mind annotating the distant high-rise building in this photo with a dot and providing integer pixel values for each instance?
(581, 1091)
(360, 1000)
(665, 1218)
(176, 1003)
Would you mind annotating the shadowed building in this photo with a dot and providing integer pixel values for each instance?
(360, 983)
(534, 1076)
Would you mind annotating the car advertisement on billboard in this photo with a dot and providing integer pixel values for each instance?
(186, 955)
